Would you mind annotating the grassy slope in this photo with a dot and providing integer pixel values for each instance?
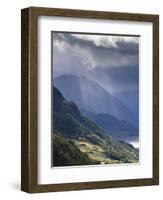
(115, 153)
(66, 153)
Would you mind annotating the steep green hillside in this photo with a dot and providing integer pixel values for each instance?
(71, 123)
(82, 133)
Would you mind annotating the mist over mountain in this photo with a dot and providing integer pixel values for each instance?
(111, 61)
(90, 96)
(115, 79)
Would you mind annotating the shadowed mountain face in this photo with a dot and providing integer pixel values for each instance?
(90, 96)
(73, 132)
(71, 123)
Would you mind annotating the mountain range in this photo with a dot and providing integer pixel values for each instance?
(90, 96)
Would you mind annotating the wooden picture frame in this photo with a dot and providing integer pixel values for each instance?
(29, 112)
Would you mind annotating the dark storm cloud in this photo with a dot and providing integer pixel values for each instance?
(121, 46)
(127, 47)
(112, 61)
(116, 53)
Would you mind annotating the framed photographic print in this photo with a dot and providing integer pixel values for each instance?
(90, 99)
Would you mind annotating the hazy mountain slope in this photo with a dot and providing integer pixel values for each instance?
(112, 125)
(115, 79)
(130, 99)
(131, 95)
(88, 95)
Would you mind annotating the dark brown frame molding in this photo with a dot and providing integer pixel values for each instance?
(29, 98)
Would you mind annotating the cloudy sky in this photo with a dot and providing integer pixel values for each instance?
(111, 61)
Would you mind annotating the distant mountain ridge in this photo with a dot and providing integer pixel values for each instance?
(90, 96)
(112, 125)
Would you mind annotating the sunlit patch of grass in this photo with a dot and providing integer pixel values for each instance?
(95, 152)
